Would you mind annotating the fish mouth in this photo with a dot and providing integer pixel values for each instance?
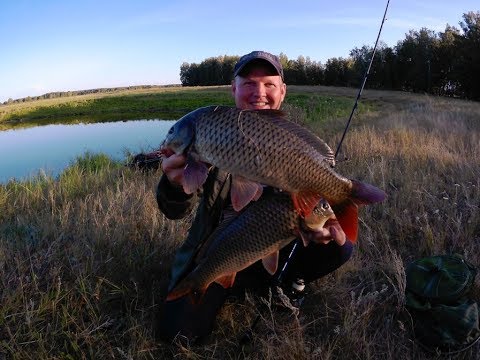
(166, 151)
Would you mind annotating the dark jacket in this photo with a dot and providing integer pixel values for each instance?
(175, 204)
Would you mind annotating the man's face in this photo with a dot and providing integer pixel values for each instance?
(258, 89)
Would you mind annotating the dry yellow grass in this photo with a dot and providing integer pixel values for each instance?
(84, 260)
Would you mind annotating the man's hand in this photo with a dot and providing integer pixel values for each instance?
(173, 167)
(330, 231)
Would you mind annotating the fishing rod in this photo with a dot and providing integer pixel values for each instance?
(290, 256)
(279, 278)
(355, 105)
(367, 72)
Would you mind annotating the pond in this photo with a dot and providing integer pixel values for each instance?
(51, 148)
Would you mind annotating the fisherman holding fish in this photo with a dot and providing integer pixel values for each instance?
(258, 84)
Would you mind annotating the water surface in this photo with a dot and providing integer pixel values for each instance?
(51, 148)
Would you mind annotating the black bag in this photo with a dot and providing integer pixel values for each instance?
(444, 318)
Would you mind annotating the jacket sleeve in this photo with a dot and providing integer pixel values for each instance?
(172, 201)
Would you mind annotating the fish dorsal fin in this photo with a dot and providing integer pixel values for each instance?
(304, 202)
(280, 118)
(270, 262)
(243, 191)
(347, 216)
(194, 175)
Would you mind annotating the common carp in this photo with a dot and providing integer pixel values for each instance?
(258, 232)
(264, 147)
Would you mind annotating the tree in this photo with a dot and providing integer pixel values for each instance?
(414, 60)
(446, 55)
(185, 74)
(467, 64)
(339, 72)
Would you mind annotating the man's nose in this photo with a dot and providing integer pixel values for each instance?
(259, 90)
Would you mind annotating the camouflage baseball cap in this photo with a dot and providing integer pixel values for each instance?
(258, 55)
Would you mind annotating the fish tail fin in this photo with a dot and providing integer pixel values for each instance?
(347, 216)
(195, 296)
(174, 295)
(304, 202)
(347, 211)
(185, 287)
(363, 193)
(178, 291)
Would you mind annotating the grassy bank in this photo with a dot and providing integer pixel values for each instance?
(162, 103)
(84, 258)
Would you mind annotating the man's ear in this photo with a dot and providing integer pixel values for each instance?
(284, 91)
(234, 87)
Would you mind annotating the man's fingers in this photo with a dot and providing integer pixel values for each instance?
(173, 162)
(338, 234)
(173, 167)
(331, 231)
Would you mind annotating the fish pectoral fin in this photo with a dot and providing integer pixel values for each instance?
(270, 262)
(243, 191)
(227, 280)
(347, 216)
(303, 235)
(194, 175)
(304, 202)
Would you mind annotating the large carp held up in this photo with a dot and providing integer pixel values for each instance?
(263, 147)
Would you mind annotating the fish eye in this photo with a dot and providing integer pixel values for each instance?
(170, 131)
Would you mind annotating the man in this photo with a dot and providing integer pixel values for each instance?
(258, 84)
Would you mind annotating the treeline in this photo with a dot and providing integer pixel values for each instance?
(444, 63)
(59, 94)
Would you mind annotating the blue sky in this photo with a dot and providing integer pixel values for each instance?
(54, 45)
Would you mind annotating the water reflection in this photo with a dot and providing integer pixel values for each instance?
(52, 147)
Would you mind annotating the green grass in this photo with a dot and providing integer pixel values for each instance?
(164, 103)
(161, 103)
(318, 107)
(84, 257)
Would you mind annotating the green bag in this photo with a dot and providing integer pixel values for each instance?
(444, 318)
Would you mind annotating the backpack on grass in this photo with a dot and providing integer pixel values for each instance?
(444, 318)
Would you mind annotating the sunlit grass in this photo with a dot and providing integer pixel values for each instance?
(165, 103)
